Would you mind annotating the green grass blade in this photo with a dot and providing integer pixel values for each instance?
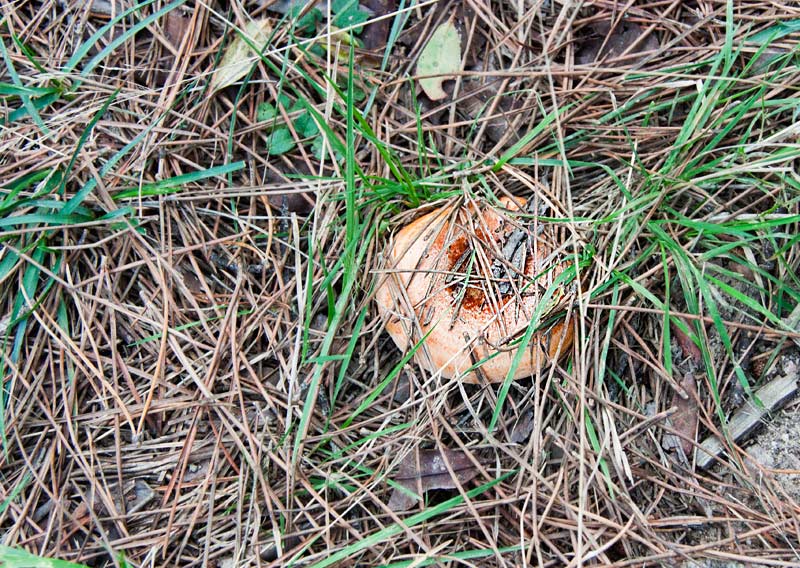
(591, 433)
(43, 219)
(21, 484)
(561, 281)
(780, 30)
(666, 330)
(37, 104)
(173, 184)
(348, 354)
(397, 528)
(19, 558)
(7, 90)
(340, 308)
(533, 133)
(78, 198)
(26, 99)
(84, 49)
(117, 41)
(461, 557)
(612, 315)
(370, 398)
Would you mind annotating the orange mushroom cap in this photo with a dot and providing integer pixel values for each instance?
(441, 287)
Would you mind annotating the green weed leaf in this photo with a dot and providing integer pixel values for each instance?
(280, 142)
(318, 149)
(267, 111)
(351, 17)
(18, 558)
(306, 126)
(305, 24)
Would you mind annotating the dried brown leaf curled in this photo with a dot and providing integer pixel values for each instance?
(376, 33)
(523, 428)
(689, 349)
(430, 472)
(176, 26)
(684, 420)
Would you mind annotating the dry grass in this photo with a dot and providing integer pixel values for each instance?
(184, 382)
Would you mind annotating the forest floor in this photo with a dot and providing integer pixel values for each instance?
(196, 373)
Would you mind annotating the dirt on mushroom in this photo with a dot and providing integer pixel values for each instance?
(441, 290)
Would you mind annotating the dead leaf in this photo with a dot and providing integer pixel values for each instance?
(477, 98)
(688, 347)
(136, 497)
(292, 202)
(196, 471)
(136, 494)
(401, 387)
(431, 473)
(239, 56)
(441, 56)
(625, 39)
(105, 8)
(175, 27)
(376, 33)
(523, 428)
(684, 420)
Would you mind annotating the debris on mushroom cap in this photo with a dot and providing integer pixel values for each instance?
(451, 277)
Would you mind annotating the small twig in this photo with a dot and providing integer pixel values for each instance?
(771, 396)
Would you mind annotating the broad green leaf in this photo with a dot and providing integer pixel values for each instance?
(306, 126)
(351, 17)
(267, 111)
(308, 23)
(776, 32)
(280, 142)
(318, 149)
(358, 95)
(239, 55)
(339, 6)
(442, 56)
(18, 558)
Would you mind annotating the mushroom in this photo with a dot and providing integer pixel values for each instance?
(452, 281)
